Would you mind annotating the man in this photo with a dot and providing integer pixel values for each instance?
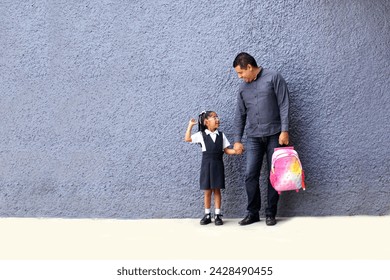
(262, 106)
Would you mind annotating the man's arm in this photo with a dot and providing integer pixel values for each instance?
(239, 123)
(239, 118)
(282, 95)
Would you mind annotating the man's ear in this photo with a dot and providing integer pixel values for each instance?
(249, 67)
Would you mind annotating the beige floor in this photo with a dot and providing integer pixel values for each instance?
(354, 238)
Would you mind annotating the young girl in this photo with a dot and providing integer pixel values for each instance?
(212, 175)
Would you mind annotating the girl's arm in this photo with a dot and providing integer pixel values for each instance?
(229, 151)
(187, 136)
(226, 144)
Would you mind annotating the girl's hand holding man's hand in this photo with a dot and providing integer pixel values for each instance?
(239, 148)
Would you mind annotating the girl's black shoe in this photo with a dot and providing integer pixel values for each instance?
(206, 219)
(217, 220)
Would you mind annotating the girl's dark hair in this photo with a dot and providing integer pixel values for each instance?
(243, 59)
(202, 116)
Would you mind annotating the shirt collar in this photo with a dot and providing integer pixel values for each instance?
(259, 74)
(209, 132)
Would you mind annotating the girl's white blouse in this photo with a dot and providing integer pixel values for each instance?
(197, 138)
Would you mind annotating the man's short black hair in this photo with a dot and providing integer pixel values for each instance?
(243, 59)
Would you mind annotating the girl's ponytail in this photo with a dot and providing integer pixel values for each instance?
(201, 126)
(202, 116)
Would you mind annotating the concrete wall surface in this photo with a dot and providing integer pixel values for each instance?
(95, 97)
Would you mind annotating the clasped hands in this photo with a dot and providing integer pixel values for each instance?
(239, 148)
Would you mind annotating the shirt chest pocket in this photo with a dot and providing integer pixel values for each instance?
(265, 90)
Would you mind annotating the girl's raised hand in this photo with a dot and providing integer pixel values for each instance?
(192, 122)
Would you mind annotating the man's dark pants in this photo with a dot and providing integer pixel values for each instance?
(255, 150)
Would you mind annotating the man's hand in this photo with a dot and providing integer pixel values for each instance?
(239, 148)
(283, 138)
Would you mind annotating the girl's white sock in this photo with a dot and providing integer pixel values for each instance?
(217, 211)
(207, 211)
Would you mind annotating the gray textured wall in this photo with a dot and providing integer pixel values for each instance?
(96, 97)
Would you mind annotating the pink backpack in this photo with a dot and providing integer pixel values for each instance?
(286, 170)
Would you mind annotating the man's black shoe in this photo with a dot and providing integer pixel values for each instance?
(206, 219)
(249, 219)
(270, 221)
(217, 220)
